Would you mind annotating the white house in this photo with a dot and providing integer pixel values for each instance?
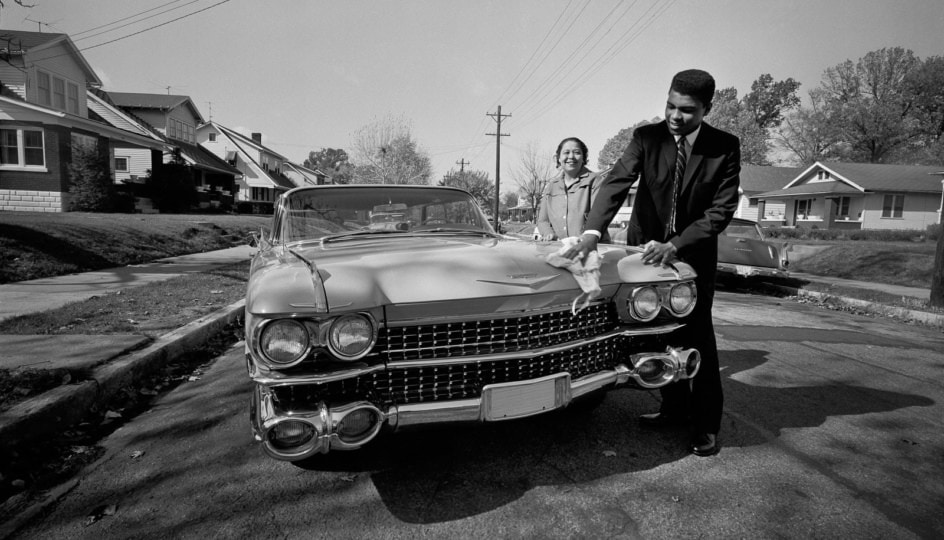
(857, 196)
(262, 168)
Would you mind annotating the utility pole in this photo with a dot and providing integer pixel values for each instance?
(462, 163)
(498, 135)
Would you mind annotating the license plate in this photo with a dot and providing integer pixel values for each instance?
(742, 270)
(505, 401)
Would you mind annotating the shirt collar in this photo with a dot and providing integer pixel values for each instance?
(690, 138)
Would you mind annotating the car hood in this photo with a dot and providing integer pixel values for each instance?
(367, 273)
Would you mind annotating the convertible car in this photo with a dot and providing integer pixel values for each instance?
(744, 251)
(372, 309)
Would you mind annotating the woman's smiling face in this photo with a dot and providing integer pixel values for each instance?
(571, 158)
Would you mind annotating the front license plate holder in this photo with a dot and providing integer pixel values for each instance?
(506, 401)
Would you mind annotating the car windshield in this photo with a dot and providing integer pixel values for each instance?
(314, 213)
(743, 230)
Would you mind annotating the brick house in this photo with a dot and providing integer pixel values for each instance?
(45, 118)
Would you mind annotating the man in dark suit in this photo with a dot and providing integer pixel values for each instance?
(687, 195)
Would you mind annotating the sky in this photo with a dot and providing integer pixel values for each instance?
(308, 74)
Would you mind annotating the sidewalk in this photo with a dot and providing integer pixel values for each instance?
(36, 295)
(108, 363)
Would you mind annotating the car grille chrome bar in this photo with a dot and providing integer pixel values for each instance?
(496, 335)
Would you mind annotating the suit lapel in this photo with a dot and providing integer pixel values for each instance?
(696, 155)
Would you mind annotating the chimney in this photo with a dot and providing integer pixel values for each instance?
(257, 138)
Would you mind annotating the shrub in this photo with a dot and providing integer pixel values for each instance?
(934, 231)
(90, 186)
(881, 235)
(171, 188)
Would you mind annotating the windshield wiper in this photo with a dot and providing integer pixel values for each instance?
(351, 234)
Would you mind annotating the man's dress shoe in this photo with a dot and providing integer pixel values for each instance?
(661, 420)
(705, 444)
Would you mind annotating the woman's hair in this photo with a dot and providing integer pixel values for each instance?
(583, 148)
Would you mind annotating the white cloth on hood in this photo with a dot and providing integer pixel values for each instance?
(586, 272)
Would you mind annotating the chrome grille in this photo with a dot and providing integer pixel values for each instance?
(435, 383)
(497, 335)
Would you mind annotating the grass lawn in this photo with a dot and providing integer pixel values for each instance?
(36, 245)
(896, 263)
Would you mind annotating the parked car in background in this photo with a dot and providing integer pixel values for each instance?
(744, 251)
(354, 329)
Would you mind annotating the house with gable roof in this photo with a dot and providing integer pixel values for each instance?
(303, 176)
(262, 168)
(857, 196)
(173, 119)
(45, 119)
(757, 179)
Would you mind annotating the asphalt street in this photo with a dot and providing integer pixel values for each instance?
(833, 428)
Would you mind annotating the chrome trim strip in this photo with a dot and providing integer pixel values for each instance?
(531, 353)
(478, 317)
(277, 378)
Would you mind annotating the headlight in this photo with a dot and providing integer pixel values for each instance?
(644, 303)
(351, 336)
(284, 341)
(682, 299)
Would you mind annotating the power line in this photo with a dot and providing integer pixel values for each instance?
(132, 22)
(125, 18)
(158, 25)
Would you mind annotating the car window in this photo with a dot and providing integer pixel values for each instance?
(743, 230)
(317, 212)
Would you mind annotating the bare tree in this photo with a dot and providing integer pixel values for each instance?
(475, 182)
(384, 152)
(808, 133)
(533, 171)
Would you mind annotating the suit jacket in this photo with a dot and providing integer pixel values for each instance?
(707, 200)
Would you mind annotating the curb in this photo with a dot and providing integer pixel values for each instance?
(924, 317)
(50, 411)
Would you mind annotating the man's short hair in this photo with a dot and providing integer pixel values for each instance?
(695, 83)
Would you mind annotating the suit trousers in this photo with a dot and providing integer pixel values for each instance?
(701, 399)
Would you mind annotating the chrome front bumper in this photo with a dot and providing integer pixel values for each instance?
(504, 401)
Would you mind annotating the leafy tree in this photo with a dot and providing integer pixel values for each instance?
(615, 145)
(730, 114)
(509, 199)
(475, 182)
(384, 152)
(332, 161)
(534, 169)
(926, 85)
(869, 103)
(91, 188)
(768, 100)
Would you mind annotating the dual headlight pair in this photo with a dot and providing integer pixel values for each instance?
(645, 302)
(286, 342)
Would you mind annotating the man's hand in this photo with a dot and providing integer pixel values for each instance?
(581, 249)
(658, 253)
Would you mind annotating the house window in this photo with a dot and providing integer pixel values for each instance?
(121, 164)
(842, 207)
(212, 137)
(45, 91)
(59, 93)
(22, 148)
(752, 202)
(893, 206)
(73, 103)
(804, 207)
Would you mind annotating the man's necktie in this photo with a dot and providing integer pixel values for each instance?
(680, 159)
